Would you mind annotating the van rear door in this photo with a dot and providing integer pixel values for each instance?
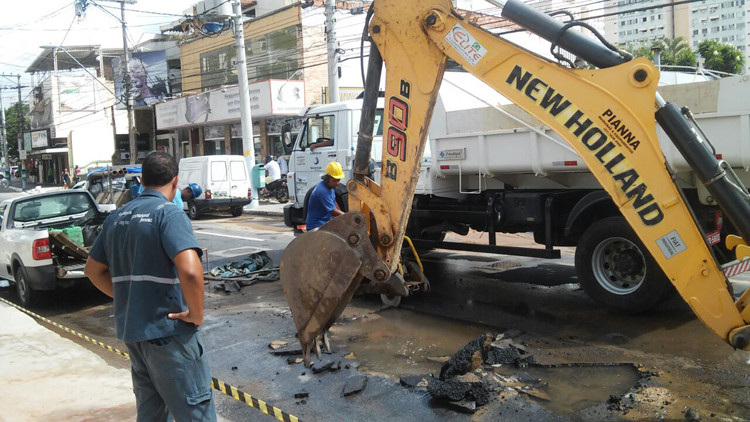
(238, 176)
(218, 177)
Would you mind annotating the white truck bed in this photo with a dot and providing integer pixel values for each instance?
(466, 153)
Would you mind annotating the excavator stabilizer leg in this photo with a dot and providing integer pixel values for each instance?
(321, 270)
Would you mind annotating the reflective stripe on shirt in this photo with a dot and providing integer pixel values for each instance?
(160, 280)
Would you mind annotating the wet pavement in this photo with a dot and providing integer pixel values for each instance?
(652, 366)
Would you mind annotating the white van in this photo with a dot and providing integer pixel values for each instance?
(225, 182)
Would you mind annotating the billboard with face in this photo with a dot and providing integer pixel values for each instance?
(149, 75)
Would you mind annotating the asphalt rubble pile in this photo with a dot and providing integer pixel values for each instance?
(467, 380)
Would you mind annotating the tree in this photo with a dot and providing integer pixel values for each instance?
(11, 127)
(720, 56)
(671, 48)
(674, 52)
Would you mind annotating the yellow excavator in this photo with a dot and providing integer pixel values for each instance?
(321, 270)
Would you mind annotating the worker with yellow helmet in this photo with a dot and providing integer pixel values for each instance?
(321, 206)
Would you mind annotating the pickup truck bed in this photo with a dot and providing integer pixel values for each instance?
(34, 253)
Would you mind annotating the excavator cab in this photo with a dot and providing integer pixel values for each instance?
(321, 270)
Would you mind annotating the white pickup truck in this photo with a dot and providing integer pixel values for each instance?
(33, 254)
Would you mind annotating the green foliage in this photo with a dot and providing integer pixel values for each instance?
(686, 57)
(11, 127)
(720, 56)
(676, 52)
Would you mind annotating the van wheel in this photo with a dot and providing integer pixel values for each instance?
(193, 211)
(236, 211)
(26, 295)
(616, 270)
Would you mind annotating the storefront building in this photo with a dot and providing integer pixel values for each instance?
(209, 123)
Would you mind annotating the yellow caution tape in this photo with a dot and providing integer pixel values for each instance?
(216, 384)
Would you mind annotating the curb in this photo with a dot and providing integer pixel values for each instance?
(263, 213)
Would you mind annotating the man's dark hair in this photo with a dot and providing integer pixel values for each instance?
(159, 168)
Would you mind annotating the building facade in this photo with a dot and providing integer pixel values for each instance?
(287, 70)
(644, 21)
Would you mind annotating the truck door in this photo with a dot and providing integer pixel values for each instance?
(218, 177)
(239, 178)
(317, 145)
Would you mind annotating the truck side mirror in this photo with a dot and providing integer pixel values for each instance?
(286, 135)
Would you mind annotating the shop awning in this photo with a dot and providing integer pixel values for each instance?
(49, 151)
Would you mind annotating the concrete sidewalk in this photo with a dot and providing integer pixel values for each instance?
(45, 377)
(267, 208)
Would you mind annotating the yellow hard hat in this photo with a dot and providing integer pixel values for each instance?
(334, 170)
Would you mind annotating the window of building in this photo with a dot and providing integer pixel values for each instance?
(270, 56)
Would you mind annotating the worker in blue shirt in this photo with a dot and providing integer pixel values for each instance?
(187, 193)
(322, 206)
(147, 258)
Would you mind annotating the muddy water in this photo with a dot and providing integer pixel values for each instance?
(569, 389)
(397, 342)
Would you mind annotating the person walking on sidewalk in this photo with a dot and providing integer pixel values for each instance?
(65, 179)
(148, 260)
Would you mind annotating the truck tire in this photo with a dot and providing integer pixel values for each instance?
(27, 297)
(616, 270)
(193, 212)
(236, 211)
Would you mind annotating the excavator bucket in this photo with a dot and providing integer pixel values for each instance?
(320, 272)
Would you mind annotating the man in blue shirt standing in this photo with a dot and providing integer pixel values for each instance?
(321, 206)
(148, 260)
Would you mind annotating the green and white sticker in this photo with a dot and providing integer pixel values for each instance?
(465, 44)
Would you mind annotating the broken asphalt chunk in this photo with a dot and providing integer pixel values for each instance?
(287, 351)
(412, 381)
(354, 385)
(319, 367)
(464, 406)
(467, 359)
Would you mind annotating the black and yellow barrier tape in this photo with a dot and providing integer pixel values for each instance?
(216, 384)
(68, 330)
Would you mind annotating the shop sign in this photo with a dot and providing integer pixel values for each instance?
(267, 98)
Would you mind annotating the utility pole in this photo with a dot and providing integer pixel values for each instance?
(333, 60)
(246, 121)
(6, 164)
(21, 151)
(126, 79)
(128, 85)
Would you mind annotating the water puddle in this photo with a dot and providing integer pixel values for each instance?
(568, 389)
(397, 342)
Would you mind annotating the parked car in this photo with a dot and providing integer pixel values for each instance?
(32, 253)
(225, 182)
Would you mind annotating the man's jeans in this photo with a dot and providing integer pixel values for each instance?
(172, 378)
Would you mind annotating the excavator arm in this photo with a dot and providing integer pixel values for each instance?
(607, 115)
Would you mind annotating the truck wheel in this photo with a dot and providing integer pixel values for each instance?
(193, 211)
(26, 295)
(236, 211)
(616, 270)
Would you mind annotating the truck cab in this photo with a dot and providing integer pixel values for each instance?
(329, 133)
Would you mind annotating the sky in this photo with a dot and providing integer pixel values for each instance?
(26, 25)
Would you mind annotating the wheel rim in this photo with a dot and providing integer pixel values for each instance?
(618, 265)
(23, 289)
